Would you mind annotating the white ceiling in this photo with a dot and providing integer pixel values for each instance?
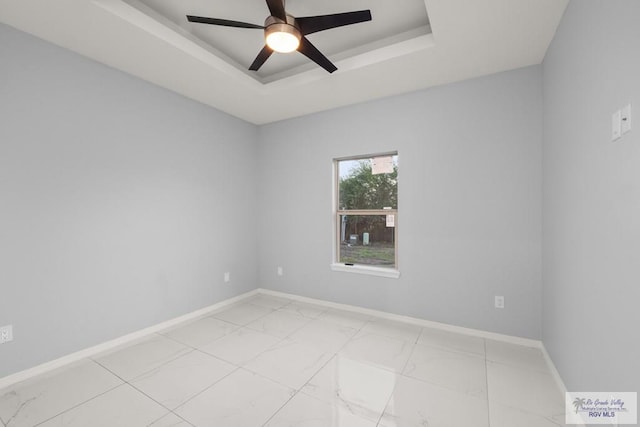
(407, 51)
(394, 20)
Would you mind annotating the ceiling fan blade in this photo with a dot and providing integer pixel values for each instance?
(276, 8)
(264, 54)
(223, 22)
(313, 24)
(311, 52)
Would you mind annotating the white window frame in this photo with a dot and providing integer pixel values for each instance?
(371, 270)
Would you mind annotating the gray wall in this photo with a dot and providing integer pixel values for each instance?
(592, 197)
(122, 204)
(469, 200)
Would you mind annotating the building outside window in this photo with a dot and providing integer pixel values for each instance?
(367, 212)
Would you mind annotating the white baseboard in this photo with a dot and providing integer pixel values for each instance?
(92, 351)
(527, 342)
(111, 344)
(554, 372)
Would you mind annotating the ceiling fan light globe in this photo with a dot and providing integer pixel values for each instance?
(282, 42)
(282, 37)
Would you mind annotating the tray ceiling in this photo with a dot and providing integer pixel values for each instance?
(409, 45)
(393, 21)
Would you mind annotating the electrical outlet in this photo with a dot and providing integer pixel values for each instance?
(227, 277)
(499, 301)
(280, 271)
(6, 334)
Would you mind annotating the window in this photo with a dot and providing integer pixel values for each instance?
(366, 214)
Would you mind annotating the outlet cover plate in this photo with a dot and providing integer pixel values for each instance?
(6, 334)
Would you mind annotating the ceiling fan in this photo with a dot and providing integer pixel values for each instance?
(285, 33)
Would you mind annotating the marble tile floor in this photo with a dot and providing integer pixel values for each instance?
(269, 361)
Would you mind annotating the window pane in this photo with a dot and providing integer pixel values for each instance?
(367, 239)
(360, 188)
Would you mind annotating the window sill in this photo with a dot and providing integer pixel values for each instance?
(371, 271)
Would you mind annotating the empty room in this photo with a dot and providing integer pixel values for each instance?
(350, 213)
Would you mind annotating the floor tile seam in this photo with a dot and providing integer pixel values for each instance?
(486, 380)
(143, 339)
(452, 350)
(386, 336)
(201, 350)
(272, 347)
(165, 332)
(345, 343)
(219, 359)
(258, 305)
(333, 352)
(357, 329)
(266, 306)
(316, 398)
(252, 320)
(242, 364)
(110, 371)
(184, 343)
(409, 340)
(271, 307)
(543, 368)
(276, 336)
(308, 320)
(187, 322)
(173, 409)
(396, 337)
(536, 414)
(114, 350)
(173, 358)
(246, 368)
(526, 411)
(82, 403)
(298, 390)
(170, 412)
(386, 406)
(330, 323)
(307, 345)
(431, 383)
(521, 368)
(335, 322)
(153, 399)
(204, 390)
(406, 363)
(283, 308)
(294, 394)
(372, 364)
(237, 328)
(349, 405)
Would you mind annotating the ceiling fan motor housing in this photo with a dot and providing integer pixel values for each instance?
(277, 27)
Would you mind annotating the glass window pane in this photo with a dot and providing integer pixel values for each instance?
(367, 239)
(360, 188)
